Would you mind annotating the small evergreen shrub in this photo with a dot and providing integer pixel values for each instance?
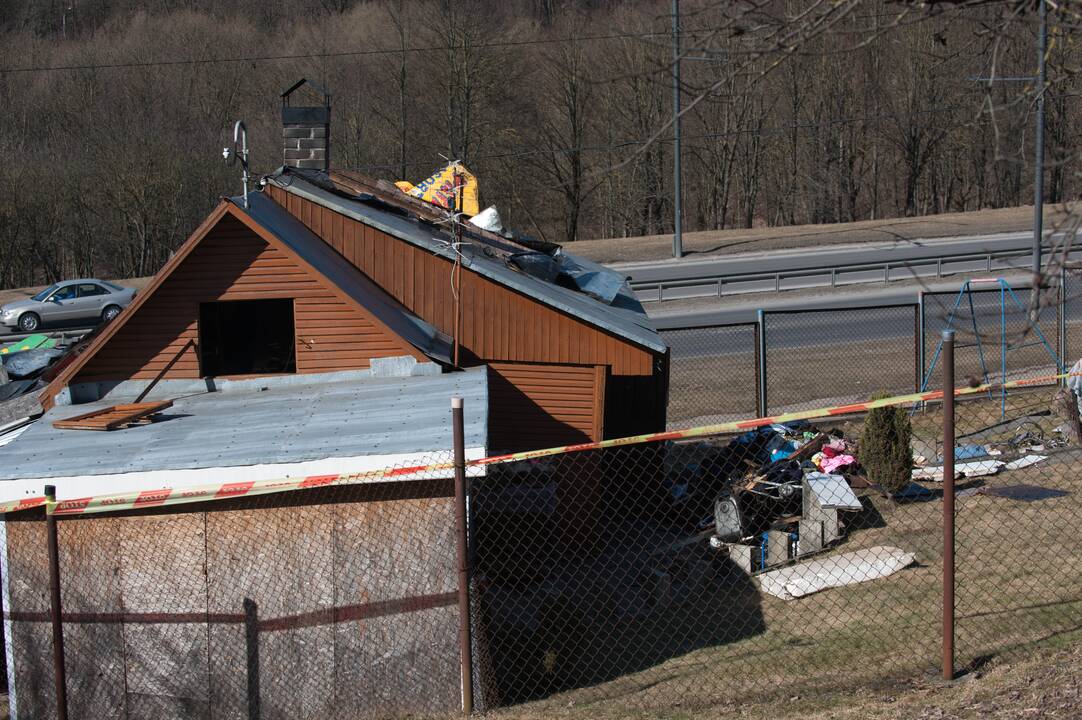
(885, 451)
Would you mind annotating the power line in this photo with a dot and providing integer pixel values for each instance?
(344, 53)
(766, 132)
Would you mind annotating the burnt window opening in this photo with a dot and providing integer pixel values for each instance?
(247, 337)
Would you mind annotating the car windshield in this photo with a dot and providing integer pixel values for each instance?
(45, 293)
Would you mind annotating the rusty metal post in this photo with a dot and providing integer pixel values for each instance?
(465, 648)
(948, 504)
(55, 609)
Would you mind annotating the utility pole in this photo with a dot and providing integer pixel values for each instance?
(678, 234)
(1038, 180)
(1038, 150)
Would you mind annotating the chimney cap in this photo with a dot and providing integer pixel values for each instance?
(313, 88)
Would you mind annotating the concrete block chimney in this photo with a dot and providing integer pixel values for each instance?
(306, 129)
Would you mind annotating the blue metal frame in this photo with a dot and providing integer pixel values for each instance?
(1005, 291)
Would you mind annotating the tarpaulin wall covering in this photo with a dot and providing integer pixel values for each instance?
(348, 597)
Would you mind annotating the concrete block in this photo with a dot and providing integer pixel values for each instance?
(294, 154)
(811, 536)
(297, 131)
(777, 547)
(743, 556)
(308, 164)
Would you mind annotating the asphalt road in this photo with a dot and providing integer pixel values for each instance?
(829, 266)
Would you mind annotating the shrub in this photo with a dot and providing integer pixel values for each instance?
(885, 451)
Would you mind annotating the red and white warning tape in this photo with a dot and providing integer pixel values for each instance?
(221, 491)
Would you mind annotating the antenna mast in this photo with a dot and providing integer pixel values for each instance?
(230, 154)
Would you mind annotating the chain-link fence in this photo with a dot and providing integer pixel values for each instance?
(816, 358)
(788, 562)
(792, 360)
(713, 374)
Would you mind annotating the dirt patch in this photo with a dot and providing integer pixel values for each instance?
(728, 242)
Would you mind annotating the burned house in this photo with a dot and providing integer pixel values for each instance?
(316, 326)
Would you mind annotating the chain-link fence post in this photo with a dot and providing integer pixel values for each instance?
(760, 357)
(918, 344)
(948, 504)
(55, 608)
(1061, 326)
(461, 542)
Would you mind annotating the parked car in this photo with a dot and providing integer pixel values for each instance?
(70, 301)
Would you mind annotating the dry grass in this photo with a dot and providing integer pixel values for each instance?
(727, 242)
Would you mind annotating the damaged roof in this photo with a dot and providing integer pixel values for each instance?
(265, 428)
(536, 269)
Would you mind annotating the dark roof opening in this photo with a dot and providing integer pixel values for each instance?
(247, 337)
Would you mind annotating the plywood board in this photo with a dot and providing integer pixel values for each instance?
(94, 648)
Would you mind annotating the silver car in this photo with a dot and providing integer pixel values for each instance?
(67, 302)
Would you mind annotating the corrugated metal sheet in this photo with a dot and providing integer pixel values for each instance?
(624, 317)
(535, 406)
(284, 423)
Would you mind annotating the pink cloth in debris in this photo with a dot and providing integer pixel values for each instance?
(831, 464)
(837, 444)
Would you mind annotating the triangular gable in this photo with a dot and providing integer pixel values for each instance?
(342, 318)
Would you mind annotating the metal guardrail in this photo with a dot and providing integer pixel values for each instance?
(714, 284)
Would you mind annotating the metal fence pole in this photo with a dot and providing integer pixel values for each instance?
(948, 504)
(919, 344)
(55, 608)
(1062, 325)
(462, 546)
(760, 353)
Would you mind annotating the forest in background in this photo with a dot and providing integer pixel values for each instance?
(115, 112)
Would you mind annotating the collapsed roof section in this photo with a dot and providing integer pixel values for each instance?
(537, 269)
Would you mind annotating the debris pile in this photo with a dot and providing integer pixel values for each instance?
(786, 493)
(26, 366)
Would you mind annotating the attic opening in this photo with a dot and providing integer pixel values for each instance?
(247, 337)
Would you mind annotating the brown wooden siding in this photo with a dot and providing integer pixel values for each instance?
(535, 406)
(499, 324)
(233, 263)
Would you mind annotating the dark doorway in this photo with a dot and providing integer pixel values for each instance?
(246, 337)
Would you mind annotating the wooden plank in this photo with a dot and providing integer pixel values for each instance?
(113, 417)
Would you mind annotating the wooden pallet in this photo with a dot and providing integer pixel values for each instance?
(113, 418)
